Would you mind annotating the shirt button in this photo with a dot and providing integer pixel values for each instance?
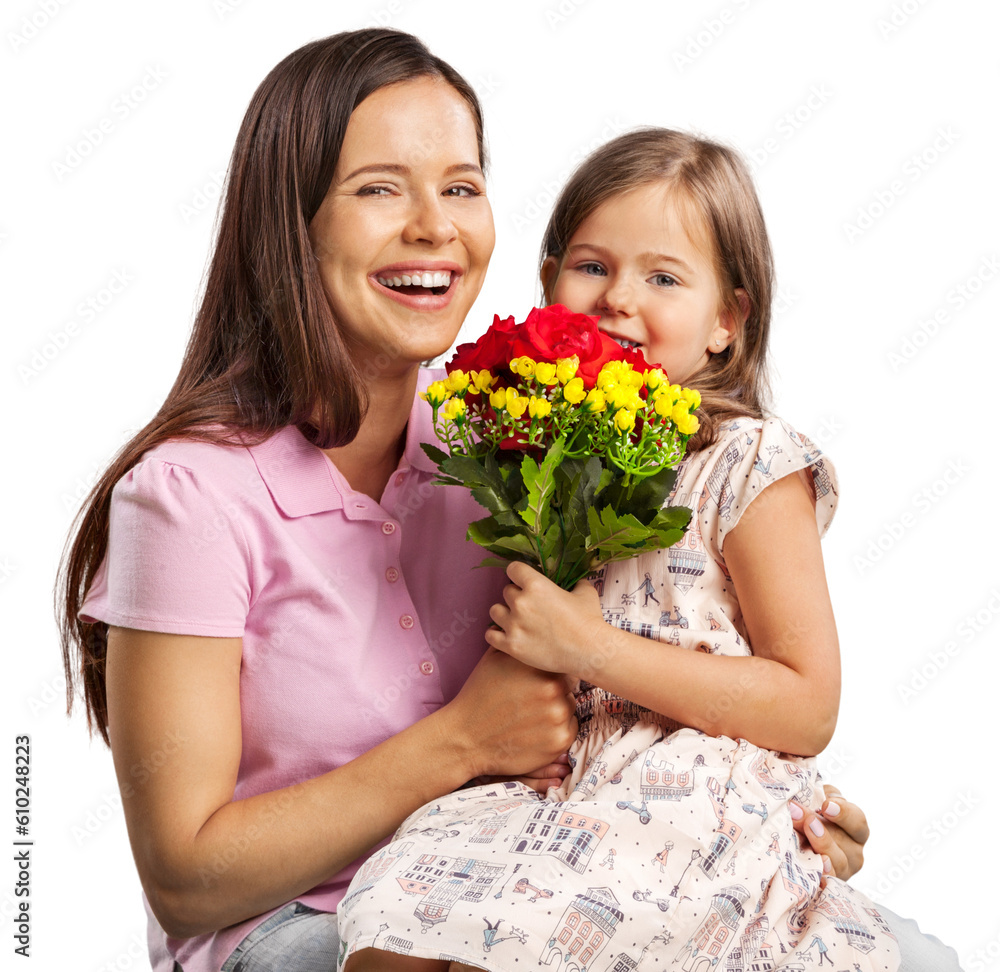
(391, 575)
(399, 479)
(427, 667)
(406, 621)
(388, 527)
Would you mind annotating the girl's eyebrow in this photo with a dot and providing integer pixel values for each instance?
(648, 257)
(403, 170)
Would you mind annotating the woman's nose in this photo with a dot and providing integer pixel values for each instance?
(429, 222)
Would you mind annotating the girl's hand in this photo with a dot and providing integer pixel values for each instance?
(539, 780)
(542, 625)
(838, 832)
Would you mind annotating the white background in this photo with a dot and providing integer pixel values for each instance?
(873, 127)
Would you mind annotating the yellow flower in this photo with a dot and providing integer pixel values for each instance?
(610, 373)
(663, 404)
(623, 396)
(595, 400)
(625, 420)
(687, 424)
(545, 372)
(692, 396)
(482, 381)
(539, 407)
(522, 366)
(654, 378)
(631, 377)
(516, 404)
(457, 381)
(454, 409)
(498, 398)
(436, 394)
(573, 391)
(566, 368)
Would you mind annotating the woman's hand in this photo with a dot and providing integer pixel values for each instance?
(542, 625)
(838, 832)
(513, 720)
(539, 780)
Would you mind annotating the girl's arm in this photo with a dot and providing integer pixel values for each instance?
(784, 697)
(207, 861)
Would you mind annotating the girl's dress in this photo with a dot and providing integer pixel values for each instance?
(664, 848)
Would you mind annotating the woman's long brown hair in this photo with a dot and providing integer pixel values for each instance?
(713, 184)
(265, 351)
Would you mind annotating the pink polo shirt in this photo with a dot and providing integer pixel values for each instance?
(358, 618)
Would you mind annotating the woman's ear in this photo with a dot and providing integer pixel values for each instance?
(548, 274)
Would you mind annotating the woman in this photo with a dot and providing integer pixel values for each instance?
(275, 615)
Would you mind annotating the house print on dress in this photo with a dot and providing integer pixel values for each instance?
(441, 881)
(659, 781)
(714, 936)
(567, 836)
(686, 559)
(586, 926)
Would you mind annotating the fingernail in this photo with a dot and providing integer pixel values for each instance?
(817, 827)
(795, 810)
(832, 809)
(827, 865)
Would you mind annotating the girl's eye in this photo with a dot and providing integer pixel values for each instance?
(663, 280)
(591, 269)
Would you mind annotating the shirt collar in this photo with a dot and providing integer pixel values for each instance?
(302, 480)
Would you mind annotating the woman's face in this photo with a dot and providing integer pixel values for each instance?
(405, 233)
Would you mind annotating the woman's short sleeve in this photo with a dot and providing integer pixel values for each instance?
(177, 560)
(747, 458)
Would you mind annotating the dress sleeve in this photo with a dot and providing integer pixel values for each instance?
(177, 559)
(750, 456)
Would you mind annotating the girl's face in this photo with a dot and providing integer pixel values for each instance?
(405, 233)
(645, 267)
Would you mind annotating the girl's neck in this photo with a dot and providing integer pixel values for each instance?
(373, 455)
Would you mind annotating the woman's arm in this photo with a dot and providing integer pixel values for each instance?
(207, 861)
(784, 697)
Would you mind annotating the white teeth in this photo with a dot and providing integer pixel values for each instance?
(626, 343)
(422, 278)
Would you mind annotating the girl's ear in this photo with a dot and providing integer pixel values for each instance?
(548, 274)
(729, 324)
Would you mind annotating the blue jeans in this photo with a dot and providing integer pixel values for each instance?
(294, 939)
(299, 939)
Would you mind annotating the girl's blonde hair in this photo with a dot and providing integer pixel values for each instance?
(715, 186)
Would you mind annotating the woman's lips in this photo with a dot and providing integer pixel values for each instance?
(419, 286)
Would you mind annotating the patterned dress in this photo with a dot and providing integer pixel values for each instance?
(664, 848)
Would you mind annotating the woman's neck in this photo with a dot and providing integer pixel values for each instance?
(372, 456)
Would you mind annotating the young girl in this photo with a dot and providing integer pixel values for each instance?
(701, 704)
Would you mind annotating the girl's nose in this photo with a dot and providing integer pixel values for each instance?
(618, 298)
(428, 222)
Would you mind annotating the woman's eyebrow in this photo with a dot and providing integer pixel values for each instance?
(396, 169)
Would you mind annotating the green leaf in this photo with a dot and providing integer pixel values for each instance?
(494, 501)
(467, 468)
(540, 482)
(671, 518)
(435, 454)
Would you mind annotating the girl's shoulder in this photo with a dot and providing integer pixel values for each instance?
(749, 454)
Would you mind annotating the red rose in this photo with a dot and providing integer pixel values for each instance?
(491, 352)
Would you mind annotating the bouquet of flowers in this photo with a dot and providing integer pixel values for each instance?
(568, 439)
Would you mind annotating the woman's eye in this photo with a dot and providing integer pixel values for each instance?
(663, 280)
(374, 191)
(458, 191)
